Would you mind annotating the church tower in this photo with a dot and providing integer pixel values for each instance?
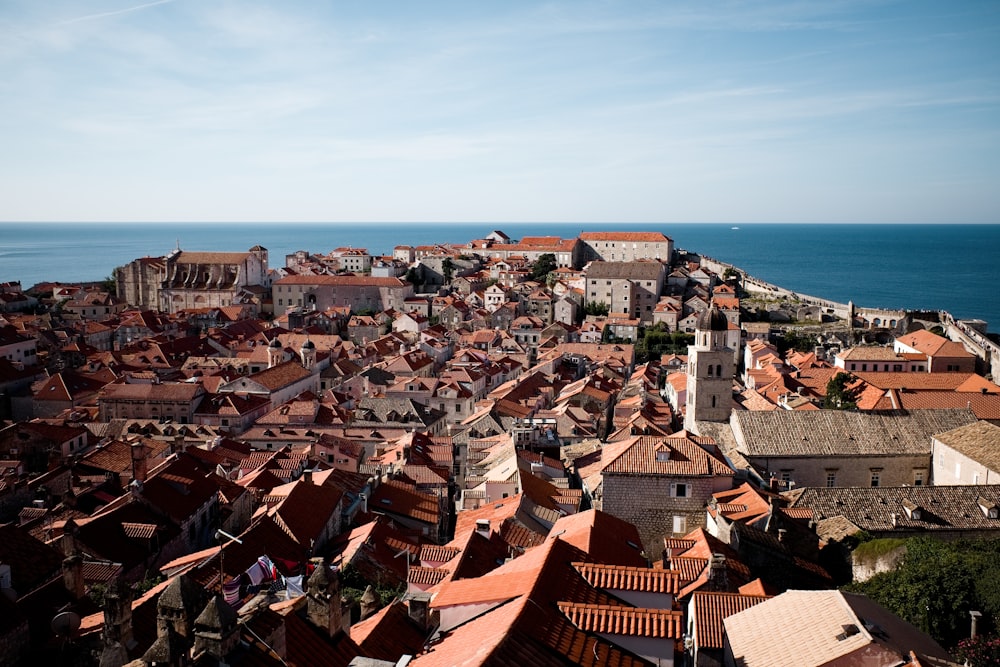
(275, 353)
(710, 372)
(308, 354)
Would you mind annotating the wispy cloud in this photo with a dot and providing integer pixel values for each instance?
(116, 12)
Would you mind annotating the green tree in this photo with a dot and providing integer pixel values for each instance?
(543, 266)
(596, 308)
(413, 276)
(839, 394)
(938, 583)
(448, 268)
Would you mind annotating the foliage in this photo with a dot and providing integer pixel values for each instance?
(938, 583)
(980, 651)
(875, 549)
(448, 268)
(839, 395)
(412, 276)
(353, 585)
(793, 340)
(656, 341)
(149, 581)
(543, 266)
(110, 283)
(596, 308)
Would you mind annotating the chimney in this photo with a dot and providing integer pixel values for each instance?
(483, 527)
(118, 615)
(419, 609)
(782, 535)
(718, 577)
(72, 565)
(138, 461)
(369, 603)
(323, 606)
(307, 475)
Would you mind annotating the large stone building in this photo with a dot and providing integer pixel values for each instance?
(359, 293)
(184, 280)
(626, 246)
(827, 448)
(626, 287)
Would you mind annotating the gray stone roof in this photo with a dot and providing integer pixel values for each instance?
(979, 441)
(842, 433)
(941, 508)
(625, 270)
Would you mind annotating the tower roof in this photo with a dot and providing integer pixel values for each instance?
(712, 320)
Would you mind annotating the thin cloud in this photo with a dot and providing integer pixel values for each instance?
(101, 15)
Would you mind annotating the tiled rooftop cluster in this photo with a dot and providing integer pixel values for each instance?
(439, 454)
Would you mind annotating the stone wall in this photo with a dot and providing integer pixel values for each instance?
(645, 501)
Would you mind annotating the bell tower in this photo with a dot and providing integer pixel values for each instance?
(710, 372)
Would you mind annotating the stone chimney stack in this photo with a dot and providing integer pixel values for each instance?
(215, 629)
(419, 605)
(118, 615)
(369, 603)
(72, 565)
(323, 606)
(139, 461)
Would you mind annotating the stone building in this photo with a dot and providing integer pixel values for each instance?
(358, 293)
(662, 484)
(626, 287)
(836, 448)
(184, 280)
(626, 246)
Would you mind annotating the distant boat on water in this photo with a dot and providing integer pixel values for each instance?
(735, 227)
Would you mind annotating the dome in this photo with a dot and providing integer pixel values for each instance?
(308, 345)
(712, 320)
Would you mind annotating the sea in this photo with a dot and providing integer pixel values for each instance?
(953, 267)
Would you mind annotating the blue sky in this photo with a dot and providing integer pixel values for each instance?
(208, 110)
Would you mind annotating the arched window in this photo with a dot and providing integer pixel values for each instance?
(718, 370)
(713, 401)
(710, 370)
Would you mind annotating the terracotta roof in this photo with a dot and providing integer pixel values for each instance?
(428, 576)
(651, 237)
(617, 620)
(708, 611)
(438, 554)
(622, 577)
(625, 271)
(680, 454)
(139, 530)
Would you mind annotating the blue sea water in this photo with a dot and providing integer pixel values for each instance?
(934, 267)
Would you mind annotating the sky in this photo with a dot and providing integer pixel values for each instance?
(589, 111)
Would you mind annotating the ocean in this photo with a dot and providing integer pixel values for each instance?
(949, 267)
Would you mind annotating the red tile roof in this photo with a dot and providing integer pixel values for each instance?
(622, 577)
(618, 620)
(708, 611)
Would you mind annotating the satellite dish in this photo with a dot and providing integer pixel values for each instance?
(65, 624)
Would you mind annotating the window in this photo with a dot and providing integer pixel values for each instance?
(680, 524)
(918, 478)
(679, 490)
(710, 370)
(713, 401)
(958, 470)
(854, 367)
(876, 477)
(786, 476)
(831, 478)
